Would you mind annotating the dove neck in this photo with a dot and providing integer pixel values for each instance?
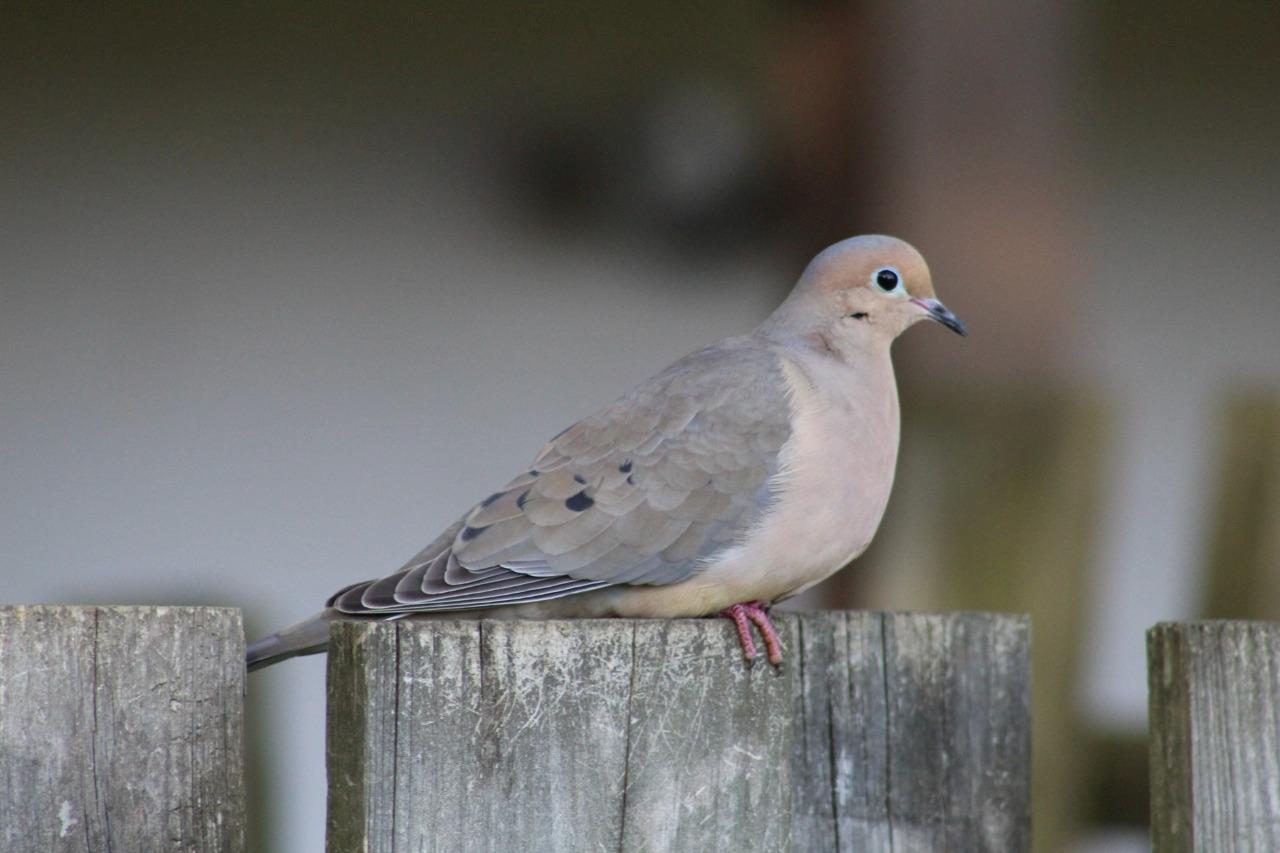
(797, 326)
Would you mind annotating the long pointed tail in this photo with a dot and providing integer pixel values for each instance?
(306, 638)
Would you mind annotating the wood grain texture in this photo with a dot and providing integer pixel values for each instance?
(1215, 736)
(882, 732)
(121, 728)
(927, 733)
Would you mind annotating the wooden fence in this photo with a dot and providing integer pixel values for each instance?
(121, 728)
(1215, 736)
(882, 732)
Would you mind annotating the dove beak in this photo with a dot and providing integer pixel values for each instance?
(939, 312)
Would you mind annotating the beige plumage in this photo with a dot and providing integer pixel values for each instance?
(740, 475)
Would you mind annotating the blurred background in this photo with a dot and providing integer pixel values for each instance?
(285, 287)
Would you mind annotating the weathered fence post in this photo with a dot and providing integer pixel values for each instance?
(121, 728)
(883, 731)
(1215, 736)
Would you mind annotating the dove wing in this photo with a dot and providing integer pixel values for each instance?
(642, 492)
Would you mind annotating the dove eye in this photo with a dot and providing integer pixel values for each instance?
(887, 279)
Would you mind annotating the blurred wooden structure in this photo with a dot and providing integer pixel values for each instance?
(994, 509)
(1215, 736)
(121, 728)
(882, 731)
(1213, 685)
(1244, 556)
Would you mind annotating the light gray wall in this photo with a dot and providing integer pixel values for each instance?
(256, 389)
(1178, 129)
(1186, 314)
(265, 327)
(266, 323)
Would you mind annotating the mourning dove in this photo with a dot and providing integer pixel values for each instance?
(739, 476)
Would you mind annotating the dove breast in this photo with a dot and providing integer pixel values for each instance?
(830, 492)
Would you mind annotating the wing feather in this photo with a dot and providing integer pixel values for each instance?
(643, 492)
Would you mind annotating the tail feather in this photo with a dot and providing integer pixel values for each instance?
(306, 638)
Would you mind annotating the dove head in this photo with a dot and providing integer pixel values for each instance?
(861, 292)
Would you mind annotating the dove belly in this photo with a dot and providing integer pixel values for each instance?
(831, 491)
(830, 504)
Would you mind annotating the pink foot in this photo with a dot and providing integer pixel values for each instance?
(754, 613)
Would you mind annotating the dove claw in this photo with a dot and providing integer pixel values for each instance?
(754, 613)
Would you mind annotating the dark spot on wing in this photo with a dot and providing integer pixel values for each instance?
(489, 500)
(631, 479)
(625, 467)
(469, 533)
(523, 499)
(533, 472)
(578, 502)
(579, 479)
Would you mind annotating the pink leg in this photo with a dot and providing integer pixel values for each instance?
(738, 613)
(754, 613)
(757, 613)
